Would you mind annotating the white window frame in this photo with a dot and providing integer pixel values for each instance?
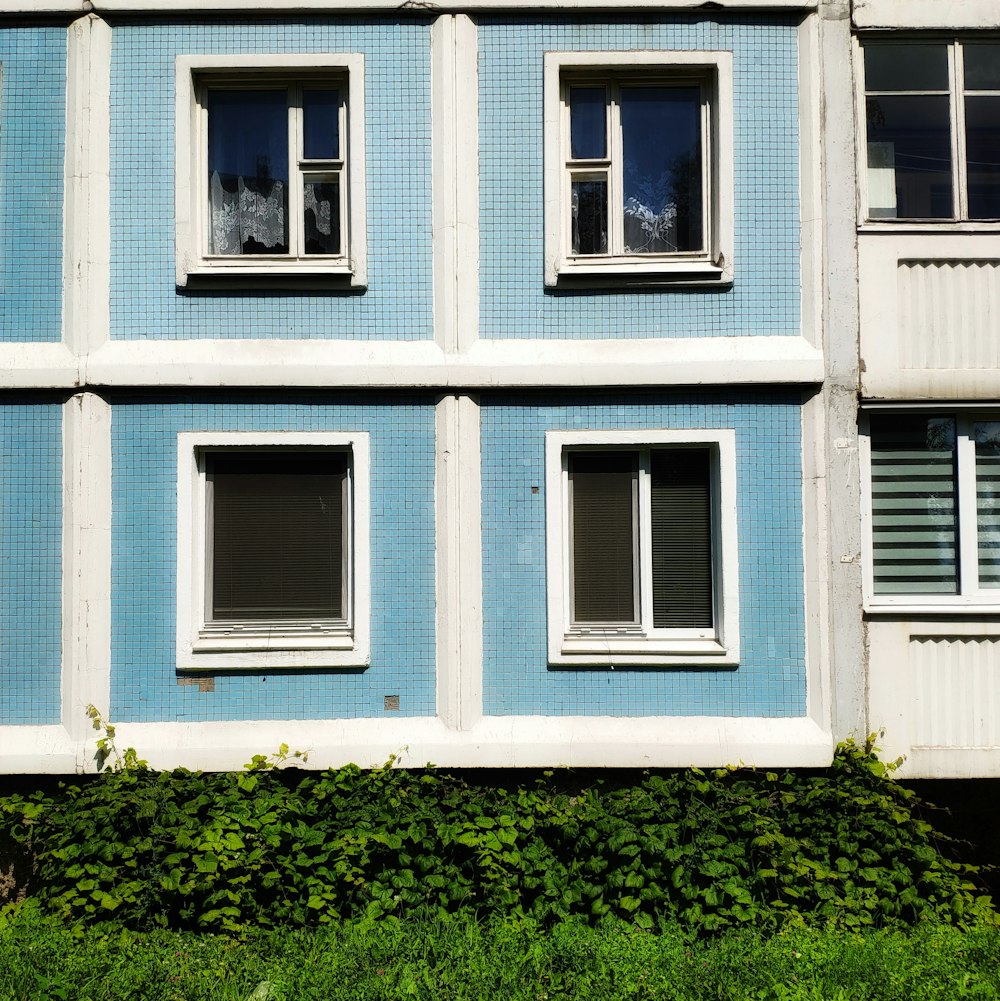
(718, 646)
(714, 71)
(194, 265)
(201, 647)
(971, 597)
(956, 124)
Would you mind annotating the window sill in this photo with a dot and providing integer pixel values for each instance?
(616, 273)
(639, 651)
(953, 607)
(283, 655)
(988, 226)
(273, 274)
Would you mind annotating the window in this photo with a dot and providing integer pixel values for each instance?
(933, 129)
(935, 508)
(638, 167)
(642, 548)
(270, 169)
(272, 544)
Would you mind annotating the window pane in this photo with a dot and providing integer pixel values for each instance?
(277, 527)
(590, 217)
(982, 151)
(248, 171)
(321, 203)
(988, 501)
(603, 492)
(982, 67)
(588, 123)
(906, 66)
(661, 146)
(909, 158)
(914, 512)
(321, 124)
(681, 538)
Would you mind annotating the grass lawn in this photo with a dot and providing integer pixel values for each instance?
(460, 959)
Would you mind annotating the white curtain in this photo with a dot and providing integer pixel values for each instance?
(254, 211)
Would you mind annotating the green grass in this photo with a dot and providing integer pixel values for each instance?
(458, 959)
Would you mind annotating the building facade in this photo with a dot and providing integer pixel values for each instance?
(482, 385)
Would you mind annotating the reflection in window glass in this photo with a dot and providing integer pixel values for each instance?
(982, 152)
(661, 147)
(909, 157)
(248, 171)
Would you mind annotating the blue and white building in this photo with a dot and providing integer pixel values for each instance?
(475, 383)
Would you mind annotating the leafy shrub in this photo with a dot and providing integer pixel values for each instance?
(270, 848)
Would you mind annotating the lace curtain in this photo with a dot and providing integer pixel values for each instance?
(248, 215)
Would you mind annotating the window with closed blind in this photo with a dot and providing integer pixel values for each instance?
(935, 508)
(272, 550)
(642, 554)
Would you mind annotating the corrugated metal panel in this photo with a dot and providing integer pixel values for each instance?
(948, 313)
(955, 691)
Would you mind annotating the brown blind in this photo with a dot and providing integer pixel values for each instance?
(603, 486)
(680, 498)
(277, 535)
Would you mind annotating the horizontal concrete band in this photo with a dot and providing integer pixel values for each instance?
(661, 362)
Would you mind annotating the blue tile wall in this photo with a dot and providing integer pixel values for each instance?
(32, 124)
(144, 299)
(770, 680)
(144, 681)
(30, 560)
(764, 298)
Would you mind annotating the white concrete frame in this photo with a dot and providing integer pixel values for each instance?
(970, 599)
(924, 14)
(715, 71)
(191, 156)
(201, 649)
(716, 647)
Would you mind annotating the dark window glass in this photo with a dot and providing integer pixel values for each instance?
(321, 205)
(321, 124)
(982, 151)
(588, 123)
(914, 504)
(603, 506)
(277, 535)
(680, 498)
(982, 66)
(248, 171)
(590, 217)
(906, 66)
(911, 137)
(662, 168)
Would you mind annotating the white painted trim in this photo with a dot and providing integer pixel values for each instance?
(493, 742)
(458, 526)
(717, 266)
(717, 647)
(86, 561)
(87, 202)
(37, 365)
(190, 197)
(917, 14)
(455, 180)
(41, 750)
(349, 648)
(487, 363)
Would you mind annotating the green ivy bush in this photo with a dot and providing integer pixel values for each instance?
(272, 847)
